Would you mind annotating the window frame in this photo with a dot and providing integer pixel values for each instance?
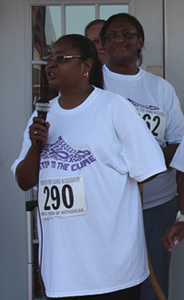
(62, 4)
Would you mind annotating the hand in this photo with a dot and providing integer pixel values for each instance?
(173, 235)
(38, 131)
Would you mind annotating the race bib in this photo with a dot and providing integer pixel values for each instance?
(155, 120)
(62, 197)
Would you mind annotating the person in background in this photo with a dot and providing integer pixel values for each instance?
(156, 102)
(91, 234)
(175, 233)
(92, 32)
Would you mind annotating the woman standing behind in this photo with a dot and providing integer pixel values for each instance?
(156, 102)
(92, 32)
(91, 236)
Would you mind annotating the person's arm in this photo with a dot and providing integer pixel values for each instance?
(181, 192)
(169, 152)
(175, 233)
(27, 170)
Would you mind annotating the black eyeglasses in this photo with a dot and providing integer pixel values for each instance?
(124, 35)
(58, 58)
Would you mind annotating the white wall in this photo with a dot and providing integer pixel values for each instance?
(175, 74)
(13, 252)
(175, 46)
(150, 14)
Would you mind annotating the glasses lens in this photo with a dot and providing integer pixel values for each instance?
(58, 58)
(111, 37)
(124, 35)
(127, 35)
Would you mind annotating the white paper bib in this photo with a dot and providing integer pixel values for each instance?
(155, 121)
(62, 197)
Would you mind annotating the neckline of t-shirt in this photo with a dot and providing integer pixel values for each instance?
(77, 109)
(118, 76)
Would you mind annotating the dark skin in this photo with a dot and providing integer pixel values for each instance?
(169, 152)
(27, 170)
(175, 233)
(122, 59)
(122, 53)
(70, 79)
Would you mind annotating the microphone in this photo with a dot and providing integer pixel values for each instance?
(42, 107)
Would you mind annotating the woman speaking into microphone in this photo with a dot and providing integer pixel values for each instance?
(91, 236)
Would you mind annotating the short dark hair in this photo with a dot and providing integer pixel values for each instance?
(94, 22)
(87, 49)
(135, 23)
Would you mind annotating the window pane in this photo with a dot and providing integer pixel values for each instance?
(41, 88)
(108, 10)
(46, 28)
(77, 17)
(55, 14)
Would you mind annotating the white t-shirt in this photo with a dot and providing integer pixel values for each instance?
(178, 159)
(100, 247)
(156, 102)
